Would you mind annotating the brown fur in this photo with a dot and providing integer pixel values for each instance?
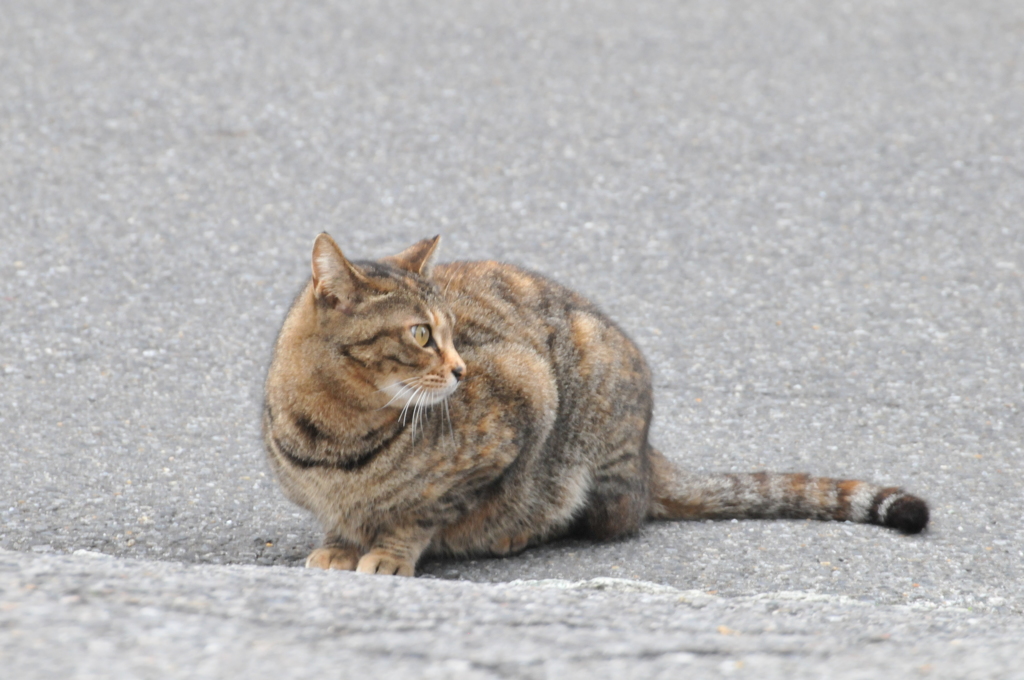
(523, 418)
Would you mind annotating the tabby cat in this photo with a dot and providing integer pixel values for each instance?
(477, 408)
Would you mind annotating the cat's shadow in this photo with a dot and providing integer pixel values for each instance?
(546, 561)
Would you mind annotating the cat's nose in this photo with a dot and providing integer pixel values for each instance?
(458, 371)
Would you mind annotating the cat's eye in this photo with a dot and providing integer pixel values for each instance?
(421, 334)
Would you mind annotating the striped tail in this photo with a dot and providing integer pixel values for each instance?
(772, 495)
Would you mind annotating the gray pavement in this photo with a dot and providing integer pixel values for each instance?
(809, 215)
(99, 617)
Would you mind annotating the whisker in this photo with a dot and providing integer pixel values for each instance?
(407, 403)
(451, 278)
(405, 389)
(448, 417)
(417, 413)
(397, 382)
(415, 408)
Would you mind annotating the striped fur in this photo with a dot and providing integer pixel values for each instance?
(520, 415)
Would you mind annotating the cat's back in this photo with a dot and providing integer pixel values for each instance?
(496, 302)
(592, 360)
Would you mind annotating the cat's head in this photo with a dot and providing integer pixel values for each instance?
(386, 323)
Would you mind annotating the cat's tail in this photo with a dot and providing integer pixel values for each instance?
(678, 494)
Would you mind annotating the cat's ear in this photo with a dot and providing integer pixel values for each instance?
(336, 280)
(417, 258)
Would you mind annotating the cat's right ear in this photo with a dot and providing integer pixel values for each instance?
(336, 281)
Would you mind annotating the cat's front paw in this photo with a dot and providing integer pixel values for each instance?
(510, 545)
(333, 557)
(380, 562)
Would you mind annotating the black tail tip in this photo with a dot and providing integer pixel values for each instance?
(907, 514)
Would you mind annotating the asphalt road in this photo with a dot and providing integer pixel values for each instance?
(808, 215)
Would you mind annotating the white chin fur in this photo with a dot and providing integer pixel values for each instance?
(402, 395)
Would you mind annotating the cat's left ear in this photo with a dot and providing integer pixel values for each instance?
(417, 258)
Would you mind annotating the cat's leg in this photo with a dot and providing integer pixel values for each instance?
(512, 498)
(614, 402)
(616, 508)
(335, 553)
(396, 551)
(620, 495)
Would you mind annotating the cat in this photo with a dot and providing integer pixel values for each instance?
(475, 408)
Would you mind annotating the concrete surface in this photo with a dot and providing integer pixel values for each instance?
(126, 618)
(807, 214)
